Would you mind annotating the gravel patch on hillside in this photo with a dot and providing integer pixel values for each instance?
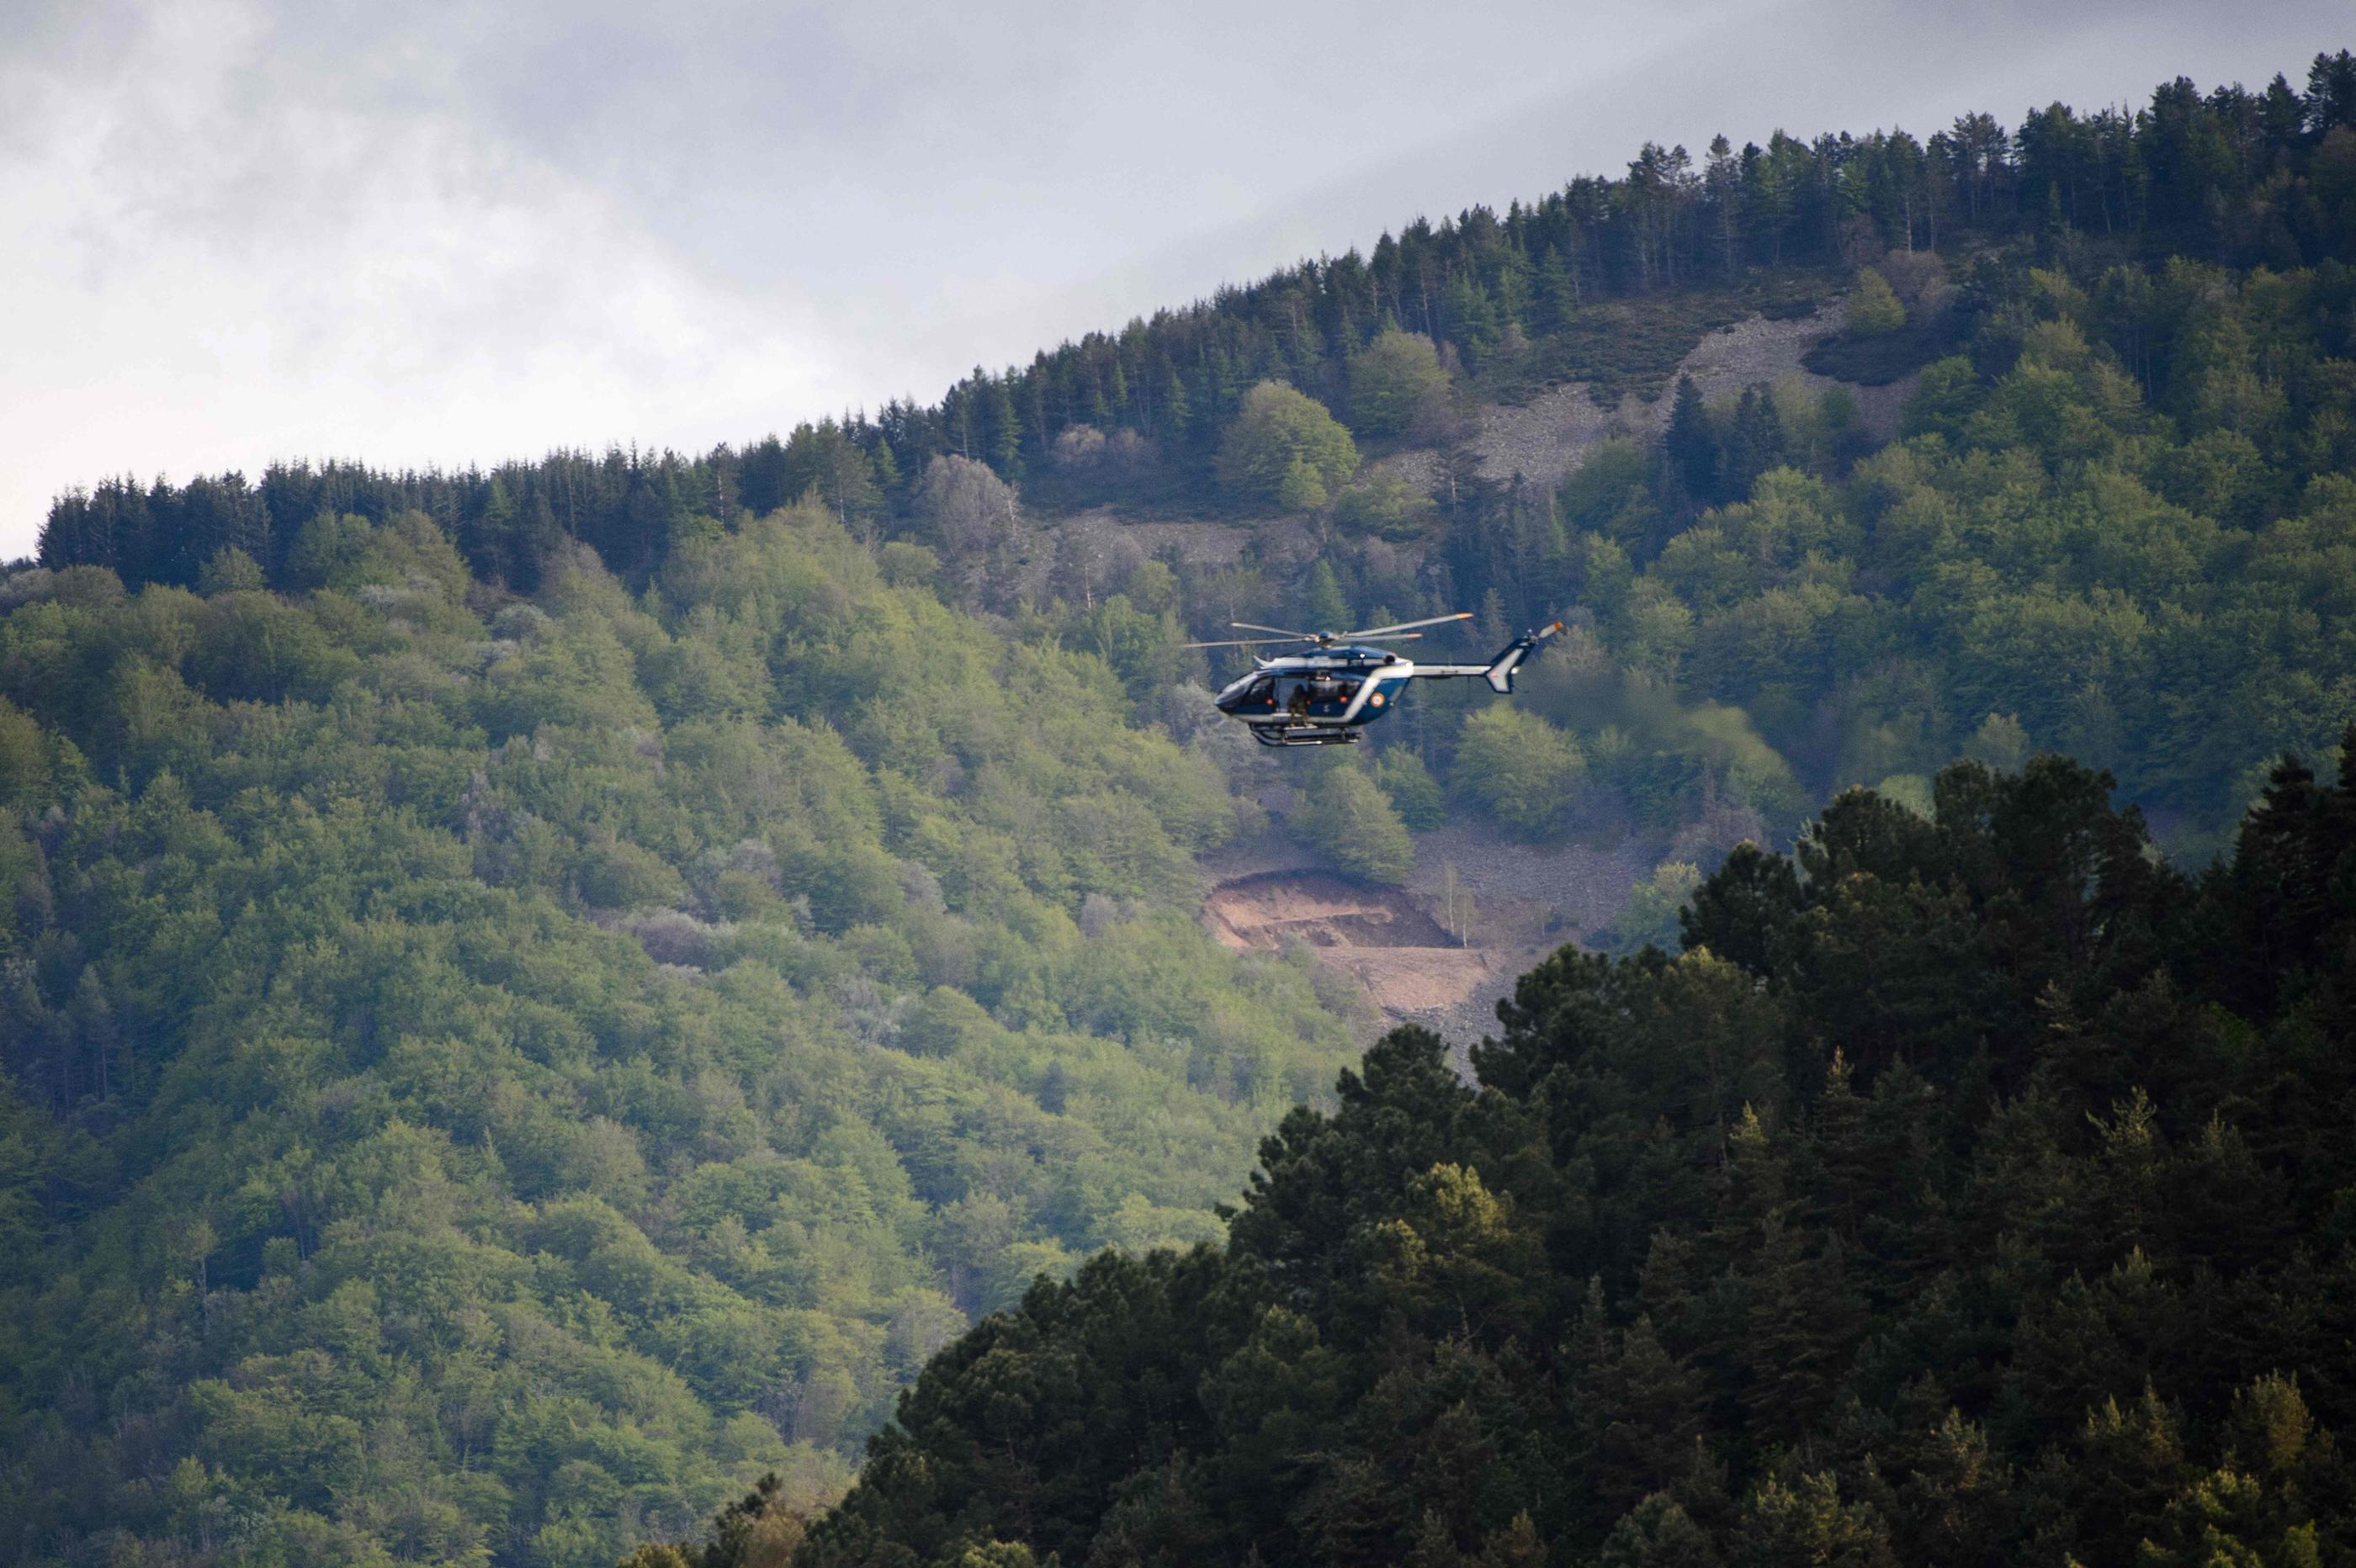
(1546, 438)
(1584, 887)
(1752, 351)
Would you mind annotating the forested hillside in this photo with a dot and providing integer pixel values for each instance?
(532, 998)
(486, 1079)
(2124, 465)
(1973, 1191)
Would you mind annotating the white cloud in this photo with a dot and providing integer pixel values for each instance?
(215, 269)
(454, 231)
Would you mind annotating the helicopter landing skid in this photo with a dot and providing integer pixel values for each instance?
(1305, 735)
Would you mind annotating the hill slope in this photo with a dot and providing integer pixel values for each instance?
(531, 997)
(2127, 339)
(485, 1085)
(1973, 1191)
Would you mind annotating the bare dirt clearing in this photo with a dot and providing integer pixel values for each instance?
(1382, 937)
(1512, 903)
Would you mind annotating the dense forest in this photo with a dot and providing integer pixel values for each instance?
(485, 1082)
(533, 999)
(1973, 1190)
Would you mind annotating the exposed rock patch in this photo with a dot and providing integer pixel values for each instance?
(1544, 439)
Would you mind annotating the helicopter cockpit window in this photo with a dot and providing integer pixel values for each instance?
(1261, 693)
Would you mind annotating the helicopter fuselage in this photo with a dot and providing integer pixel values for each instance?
(1327, 698)
(1317, 699)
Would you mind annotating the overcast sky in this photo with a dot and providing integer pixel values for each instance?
(235, 230)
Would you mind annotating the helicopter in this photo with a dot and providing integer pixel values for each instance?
(1329, 693)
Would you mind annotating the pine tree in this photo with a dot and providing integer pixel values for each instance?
(1691, 444)
(1653, 1403)
(1002, 431)
(1321, 601)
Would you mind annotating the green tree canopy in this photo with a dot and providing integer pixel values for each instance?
(1285, 449)
(1874, 309)
(1348, 817)
(1519, 767)
(1653, 1290)
(1395, 383)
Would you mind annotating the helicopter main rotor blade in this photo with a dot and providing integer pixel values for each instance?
(1282, 632)
(1384, 636)
(1240, 643)
(1411, 626)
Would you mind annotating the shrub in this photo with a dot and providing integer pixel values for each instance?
(1414, 793)
(1651, 913)
(1388, 507)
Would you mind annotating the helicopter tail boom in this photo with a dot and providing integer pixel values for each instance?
(1499, 671)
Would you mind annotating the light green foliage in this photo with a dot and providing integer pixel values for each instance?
(1999, 741)
(1324, 605)
(1414, 792)
(24, 758)
(1911, 790)
(1303, 488)
(1610, 494)
(230, 571)
(1388, 507)
(526, 1079)
(1347, 815)
(1519, 768)
(1285, 450)
(1874, 310)
(1651, 913)
(909, 565)
(1396, 382)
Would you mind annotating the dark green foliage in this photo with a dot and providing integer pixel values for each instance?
(1877, 360)
(1973, 1191)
